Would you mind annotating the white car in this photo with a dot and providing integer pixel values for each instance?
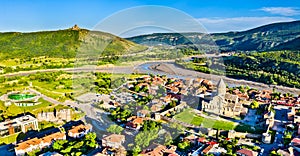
(262, 151)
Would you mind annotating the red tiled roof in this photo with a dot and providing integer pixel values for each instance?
(296, 140)
(212, 143)
(138, 120)
(202, 140)
(246, 152)
(207, 149)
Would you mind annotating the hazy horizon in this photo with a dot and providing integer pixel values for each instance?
(215, 16)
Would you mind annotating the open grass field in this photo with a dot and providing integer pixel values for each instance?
(190, 117)
(14, 110)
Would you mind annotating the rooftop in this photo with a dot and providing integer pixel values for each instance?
(247, 152)
(36, 141)
(80, 128)
(114, 138)
(17, 121)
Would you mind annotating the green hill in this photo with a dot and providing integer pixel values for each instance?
(66, 43)
(277, 36)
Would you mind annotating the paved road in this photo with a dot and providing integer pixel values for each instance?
(279, 127)
(250, 118)
(98, 118)
(4, 150)
(49, 99)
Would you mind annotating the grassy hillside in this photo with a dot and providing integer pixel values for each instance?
(63, 44)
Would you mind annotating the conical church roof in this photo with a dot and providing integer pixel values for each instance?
(221, 87)
(221, 84)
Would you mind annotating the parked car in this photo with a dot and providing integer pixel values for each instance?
(262, 151)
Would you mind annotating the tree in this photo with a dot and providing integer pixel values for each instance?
(90, 136)
(136, 88)
(183, 145)
(173, 104)
(58, 145)
(115, 129)
(136, 150)
(254, 104)
(168, 139)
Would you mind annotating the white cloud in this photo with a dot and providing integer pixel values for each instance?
(238, 23)
(284, 11)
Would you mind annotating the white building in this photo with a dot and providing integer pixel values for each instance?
(20, 124)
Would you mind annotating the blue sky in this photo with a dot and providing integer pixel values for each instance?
(214, 15)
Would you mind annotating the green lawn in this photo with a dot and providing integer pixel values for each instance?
(189, 117)
(9, 139)
(14, 110)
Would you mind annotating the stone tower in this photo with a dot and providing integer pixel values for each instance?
(221, 88)
(75, 27)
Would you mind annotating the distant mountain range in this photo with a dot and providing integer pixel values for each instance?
(70, 43)
(277, 36)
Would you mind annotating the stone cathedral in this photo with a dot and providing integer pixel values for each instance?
(220, 102)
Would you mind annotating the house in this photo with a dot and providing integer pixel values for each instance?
(264, 96)
(193, 139)
(159, 150)
(38, 143)
(202, 140)
(146, 77)
(283, 152)
(79, 131)
(174, 90)
(107, 151)
(157, 107)
(49, 139)
(294, 115)
(246, 152)
(158, 81)
(207, 149)
(113, 141)
(27, 146)
(134, 123)
(216, 150)
(295, 143)
(206, 83)
(142, 113)
(20, 124)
